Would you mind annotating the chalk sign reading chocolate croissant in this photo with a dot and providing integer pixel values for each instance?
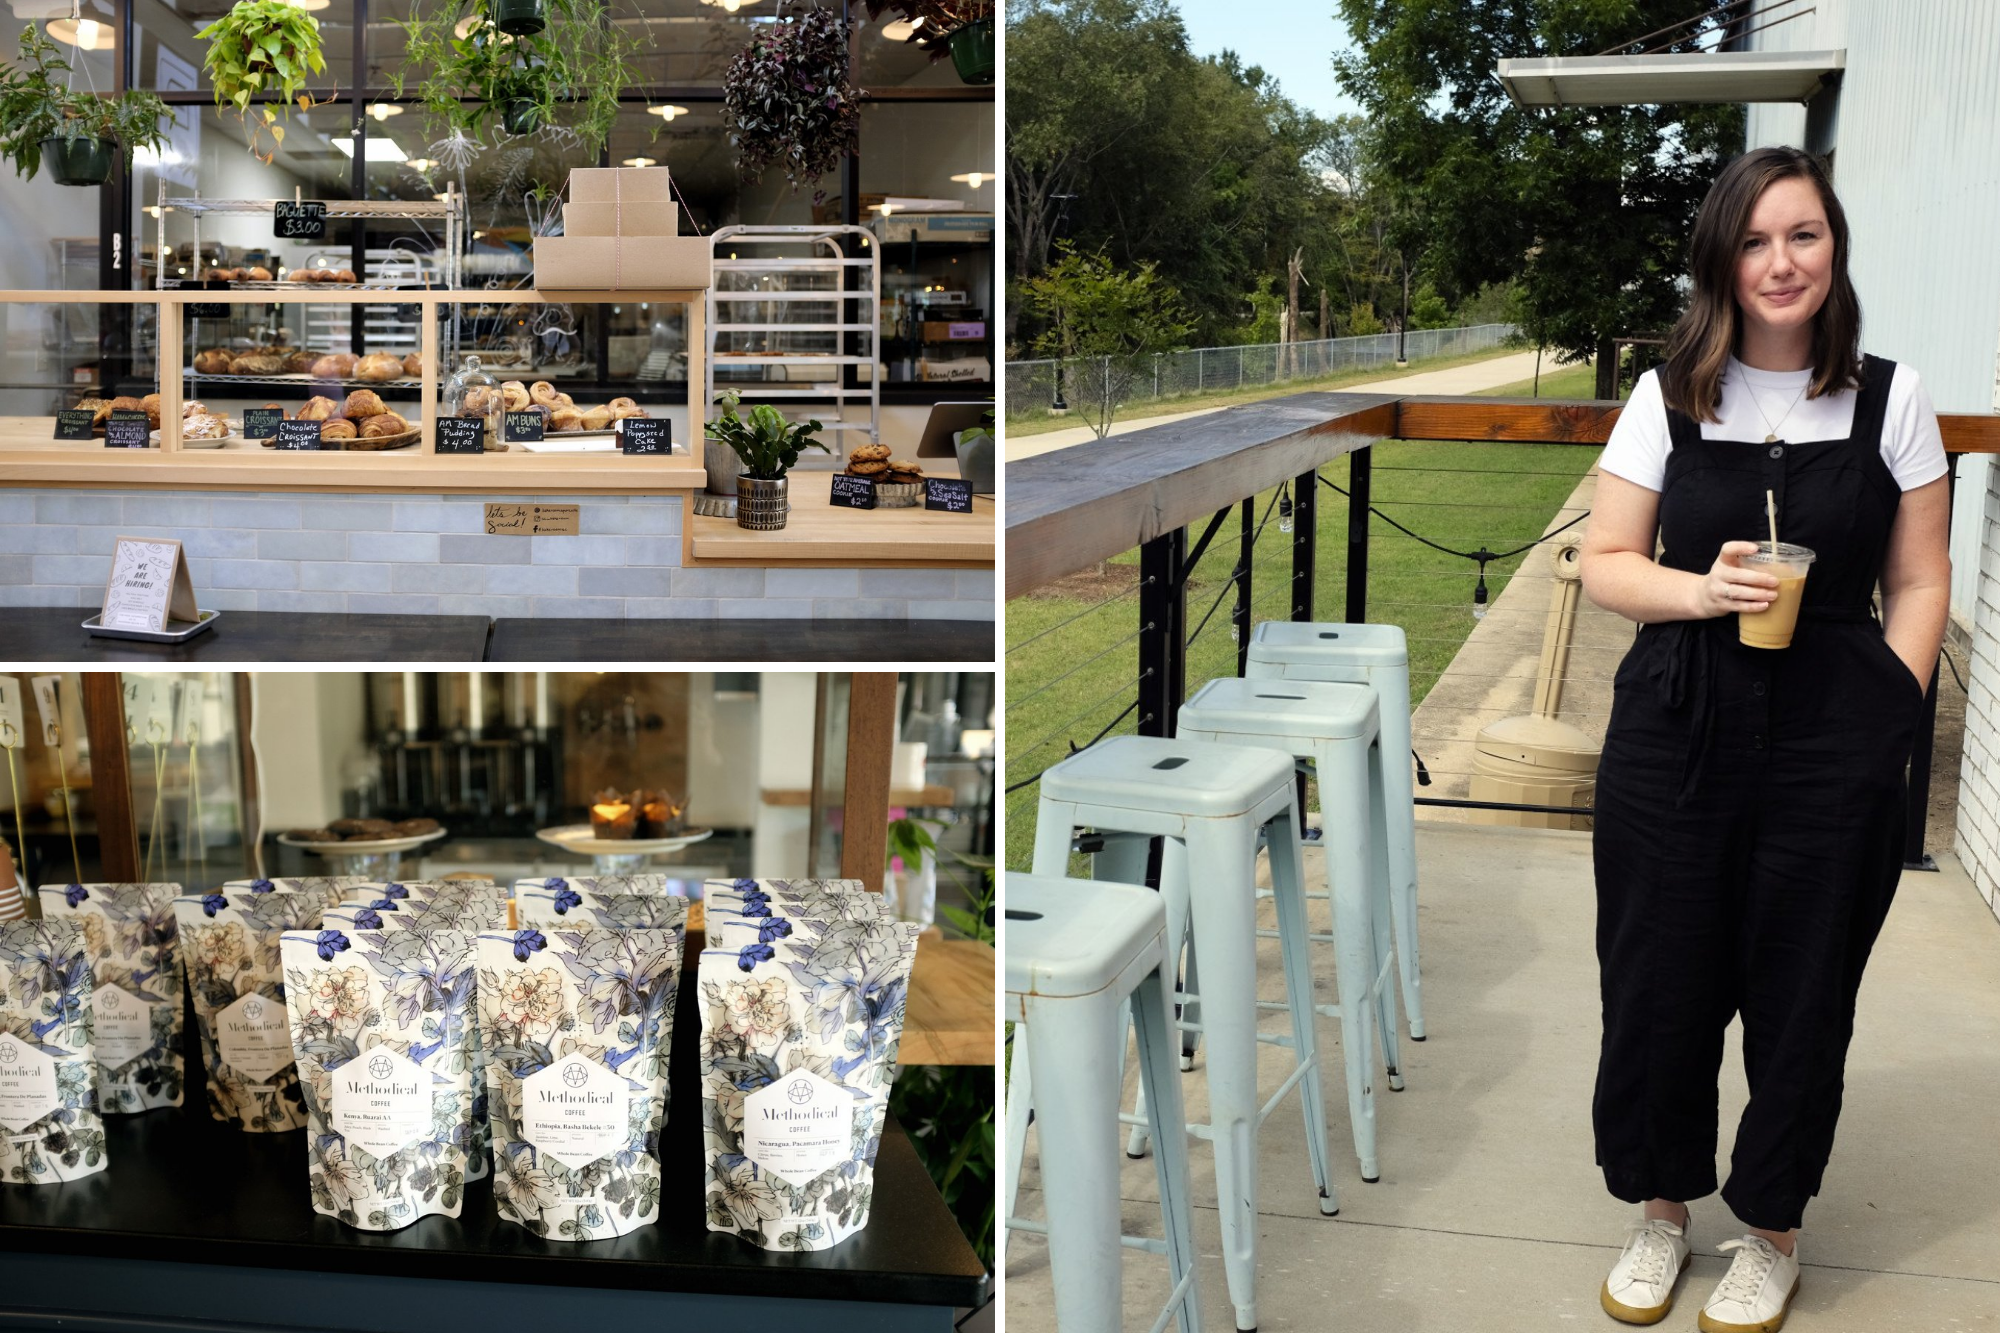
(149, 583)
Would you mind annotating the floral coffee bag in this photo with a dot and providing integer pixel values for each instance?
(577, 1024)
(381, 1026)
(132, 942)
(229, 944)
(49, 1127)
(650, 885)
(614, 911)
(326, 888)
(799, 1038)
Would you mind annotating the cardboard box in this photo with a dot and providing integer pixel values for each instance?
(965, 370)
(633, 185)
(627, 219)
(938, 331)
(621, 263)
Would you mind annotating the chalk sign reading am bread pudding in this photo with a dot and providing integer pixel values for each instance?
(148, 585)
(533, 520)
(461, 435)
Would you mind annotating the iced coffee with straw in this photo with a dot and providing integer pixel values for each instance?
(1772, 627)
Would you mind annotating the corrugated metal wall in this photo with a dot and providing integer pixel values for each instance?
(1917, 163)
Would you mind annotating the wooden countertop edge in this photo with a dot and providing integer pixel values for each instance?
(358, 472)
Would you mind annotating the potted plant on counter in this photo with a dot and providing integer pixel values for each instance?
(261, 47)
(767, 446)
(79, 134)
(962, 27)
(786, 98)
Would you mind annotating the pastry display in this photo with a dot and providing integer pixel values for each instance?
(362, 403)
(899, 482)
(318, 409)
(413, 365)
(612, 816)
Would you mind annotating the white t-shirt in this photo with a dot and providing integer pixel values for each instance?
(1911, 444)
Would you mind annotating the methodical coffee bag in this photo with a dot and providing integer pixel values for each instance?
(799, 1037)
(613, 911)
(229, 945)
(577, 1022)
(326, 888)
(650, 885)
(132, 941)
(49, 1127)
(381, 1025)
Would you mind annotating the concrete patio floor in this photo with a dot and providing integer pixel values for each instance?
(1490, 1214)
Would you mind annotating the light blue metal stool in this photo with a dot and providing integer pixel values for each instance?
(1213, 803)
(1376, 655)
(1079, 954)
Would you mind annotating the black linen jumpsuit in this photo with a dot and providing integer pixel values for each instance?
(1749, 828)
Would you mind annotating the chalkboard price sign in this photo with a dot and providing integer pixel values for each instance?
(207, 310)
(299, 222)
(523, 427)
(648, 435)
(261, 423)
(948, 494)
(461, 435)
(73, 423)
(128, 430)
(852, 492)
(299, 435)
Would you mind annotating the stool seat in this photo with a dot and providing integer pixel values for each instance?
(1284, 642)
(1068, 938)
(1305, 710)
(1167, 776)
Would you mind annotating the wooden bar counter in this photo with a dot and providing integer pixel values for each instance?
(818, 533)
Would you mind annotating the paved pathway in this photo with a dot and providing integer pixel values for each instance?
(1471, 378)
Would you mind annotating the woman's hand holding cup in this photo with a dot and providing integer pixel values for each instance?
(1729, 588)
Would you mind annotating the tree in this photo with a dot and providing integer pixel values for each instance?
(1102, 323)
(1589, 209)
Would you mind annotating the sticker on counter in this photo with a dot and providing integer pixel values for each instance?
(298, 435)
(646, 435)
(576, 1111)
(128, 430)
(381, 1102)
(799, 1127)
(523, 428)
(461, 435)
(74, 423)
(533, 520)
(261, 423)
(850, 492)
(949, 494)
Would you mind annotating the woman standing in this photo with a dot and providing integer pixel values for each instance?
(1750, 800)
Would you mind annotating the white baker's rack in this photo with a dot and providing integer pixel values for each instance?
(776, 275)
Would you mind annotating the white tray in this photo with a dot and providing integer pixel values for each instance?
(187, 629)
(577, 838)
(364, 847)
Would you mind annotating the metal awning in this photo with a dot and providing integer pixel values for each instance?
(1693, 76)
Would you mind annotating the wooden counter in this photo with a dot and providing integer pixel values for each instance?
(818, 534)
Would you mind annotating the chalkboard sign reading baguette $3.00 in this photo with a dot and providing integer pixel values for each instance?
(149, 585)
(299, 222)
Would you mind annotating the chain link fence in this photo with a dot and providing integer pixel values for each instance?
(1031, 385)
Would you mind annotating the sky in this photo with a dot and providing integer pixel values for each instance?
(1294, 40)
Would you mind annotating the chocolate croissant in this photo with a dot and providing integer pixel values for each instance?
(336, 429)
(362, 403)
(318, 409)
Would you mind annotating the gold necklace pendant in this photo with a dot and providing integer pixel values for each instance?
(1770, 439)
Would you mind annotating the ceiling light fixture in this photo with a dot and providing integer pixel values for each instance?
(667, 113)
(898, 30)
(309, 4)
(642, 161)
(83, 34)
(383, 110)
(379, 149)
(728, 6)
(419, 163)
(974, 178)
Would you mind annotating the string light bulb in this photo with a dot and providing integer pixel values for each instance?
(1284, 507)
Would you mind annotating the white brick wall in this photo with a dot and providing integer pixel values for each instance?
(429, 555)
(1978, 841)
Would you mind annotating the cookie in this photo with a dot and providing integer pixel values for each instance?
(314, 835)
(868, 467)
(862, 453)
(895, 478)
(905, 465)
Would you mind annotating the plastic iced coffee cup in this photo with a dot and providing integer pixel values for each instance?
(1773, 626)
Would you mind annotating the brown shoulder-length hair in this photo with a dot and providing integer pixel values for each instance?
(1699, 348)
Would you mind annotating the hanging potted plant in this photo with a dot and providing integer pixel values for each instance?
(962, 27)
(767, 445)
(521, 94)
(519, 18)
(786, 98)
(262, 47)
(79, 134)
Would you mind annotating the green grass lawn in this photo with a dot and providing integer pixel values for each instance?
(1459, 495)
(1035, 419)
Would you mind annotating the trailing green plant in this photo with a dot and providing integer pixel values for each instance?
(467, 71)
(768, 444)
(37, 105)
(787, 101)
(261, 47)
(912, 840)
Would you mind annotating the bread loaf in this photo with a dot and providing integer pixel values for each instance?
(378, 368)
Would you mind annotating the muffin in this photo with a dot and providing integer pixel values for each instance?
(659, 814)
(612, 816)
(565, 418)
(597, 418)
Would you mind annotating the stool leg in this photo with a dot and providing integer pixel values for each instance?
(1392, 694)
(1381, 839)
(1055, 822)
(1345, 818)
(1077, 1050)
(1225, 922)
(1191, 1010)
(1173, 891)
(1020, 1101)
(1288, 891)
(1160, 1088)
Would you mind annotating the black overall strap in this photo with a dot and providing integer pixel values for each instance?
(1871, 406)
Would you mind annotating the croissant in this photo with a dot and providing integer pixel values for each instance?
(203, 426)
(378, 368)
(383, 424)
(362, 403)
(318, 409)
(516, 394)
(336, 429)
(150, 404)
(625, 407)
(195, 409)
(123, 404)
(279, 408)
(100, 410)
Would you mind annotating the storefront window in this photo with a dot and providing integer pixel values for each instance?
(171, 56)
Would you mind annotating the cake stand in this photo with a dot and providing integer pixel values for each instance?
(374, 858)
(617, 856)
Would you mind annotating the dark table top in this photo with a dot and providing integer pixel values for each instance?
(813, 641)
(55, 634)
(182, 1187)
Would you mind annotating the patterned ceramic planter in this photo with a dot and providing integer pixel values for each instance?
(762, 505)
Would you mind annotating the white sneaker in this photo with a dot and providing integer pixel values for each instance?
(1756, 1292)
(1640, 1289)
